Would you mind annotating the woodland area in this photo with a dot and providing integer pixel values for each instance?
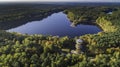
(21, 14)
(22, 50)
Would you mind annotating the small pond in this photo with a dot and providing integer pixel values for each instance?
(57, 25)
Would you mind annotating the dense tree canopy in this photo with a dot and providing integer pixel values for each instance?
(102, 49)
(16, 15)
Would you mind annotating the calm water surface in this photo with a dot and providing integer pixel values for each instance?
(56, 24)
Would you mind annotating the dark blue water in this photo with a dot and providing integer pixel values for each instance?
(57, 24)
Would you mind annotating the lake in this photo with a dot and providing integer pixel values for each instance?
(57, 25)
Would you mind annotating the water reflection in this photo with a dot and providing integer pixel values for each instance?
(57, 24)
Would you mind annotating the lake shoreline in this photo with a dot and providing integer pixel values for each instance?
(56, 24)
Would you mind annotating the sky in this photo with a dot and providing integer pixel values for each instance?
(60, 0)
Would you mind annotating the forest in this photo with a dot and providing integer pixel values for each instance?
(25, 13)
(23, 50)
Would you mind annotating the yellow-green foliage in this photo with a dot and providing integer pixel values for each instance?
(71, 15)
(101, 50)
(106, 25)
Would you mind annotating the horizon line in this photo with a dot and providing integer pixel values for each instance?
(56, 2)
